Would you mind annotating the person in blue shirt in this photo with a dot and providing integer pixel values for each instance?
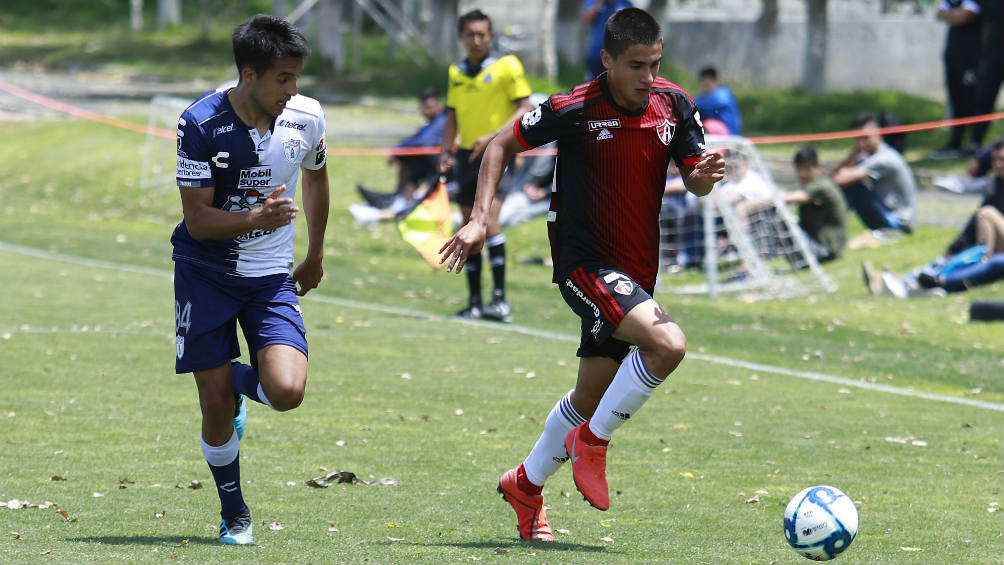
(415, 173)
(595, 14)
(716, 101)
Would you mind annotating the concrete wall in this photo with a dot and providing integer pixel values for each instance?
(867, 50)
(887, 54)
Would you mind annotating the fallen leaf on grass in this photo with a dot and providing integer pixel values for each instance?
(96, 495)
(332, 528)
(46, 552)
(183, 542)
(16, 535)
(904, 548)
(687, 474)
(174, 555)
(66, 515)
(340, 477)
(276, 527)
(196, 484)
(160, 514)
(57, 478)
(563, 531)
(753, 500)
(500, 551)
(607, 539)
(395, 539)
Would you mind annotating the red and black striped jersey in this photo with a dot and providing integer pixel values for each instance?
(611, 173)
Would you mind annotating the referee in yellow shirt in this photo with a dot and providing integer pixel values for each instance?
(485, 91)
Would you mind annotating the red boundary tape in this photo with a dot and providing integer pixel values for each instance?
(408, 151)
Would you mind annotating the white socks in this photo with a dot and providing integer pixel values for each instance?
(549, 454)
(221, 455)
(632, 386)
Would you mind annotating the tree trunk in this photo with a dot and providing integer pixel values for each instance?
(659, 11)
(329, 31)
(168, 13)
(572, 47)
(136, 15)
(204, 18)
(443, 29)
(549, 50)
(814, 71)
(766, 24)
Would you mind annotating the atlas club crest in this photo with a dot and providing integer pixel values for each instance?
(665, 131)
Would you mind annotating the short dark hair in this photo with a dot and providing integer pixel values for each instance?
(473, 16)
(861, 120)
(428, 93)
(630, 26)
(997, 145)
(708, 72)
(262, 39)
(807, 156)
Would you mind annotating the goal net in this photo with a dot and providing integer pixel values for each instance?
(742, 239)
(157, 167)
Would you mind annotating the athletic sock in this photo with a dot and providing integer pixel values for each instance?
(548, 454)
(632, 386)
(496, 252)
(224, 462)
(473, 270)
(244, 379)
(524, 483)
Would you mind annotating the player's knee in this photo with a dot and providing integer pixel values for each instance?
(287, 397)
(667, 351)
(216, 400)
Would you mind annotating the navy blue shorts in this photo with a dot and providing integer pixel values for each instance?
(602, 297)
(209, 304)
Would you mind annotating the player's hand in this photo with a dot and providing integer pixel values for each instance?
(458, 248)
(446, 162)
(709, 170)
(275, 212)
(308, 275)
(480, 144)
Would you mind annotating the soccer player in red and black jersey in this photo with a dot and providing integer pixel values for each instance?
(615, 137)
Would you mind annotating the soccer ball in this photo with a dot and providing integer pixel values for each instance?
(820, 522)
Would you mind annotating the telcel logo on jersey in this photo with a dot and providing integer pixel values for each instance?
(293, 125)
(255, 177)
(223, 129)
(600, 124)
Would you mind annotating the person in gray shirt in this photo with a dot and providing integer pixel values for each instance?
(877, 182)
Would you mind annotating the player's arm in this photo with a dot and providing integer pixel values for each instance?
(207, 222)
(471, 237)
(315, 206)
(959, 16)
(449, 139)
(795, 196)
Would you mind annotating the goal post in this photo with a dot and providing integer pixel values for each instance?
(741, 240)
(157, 166)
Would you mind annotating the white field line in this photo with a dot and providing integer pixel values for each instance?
(524, 330)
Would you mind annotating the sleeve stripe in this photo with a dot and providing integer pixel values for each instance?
(691, 161)
(518, 133)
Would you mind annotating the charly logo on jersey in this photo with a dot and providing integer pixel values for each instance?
(604, 124)
(291, 150)
(665, 131)
(223, 129)
(531, 118)
(255, 177)
(622, 283)
(292, 125)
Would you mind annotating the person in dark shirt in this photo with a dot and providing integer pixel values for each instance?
(962, 56)
(990, 72)
(822, 211)
(616, 136)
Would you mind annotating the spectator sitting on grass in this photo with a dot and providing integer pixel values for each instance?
(822, 211)
(877, 182)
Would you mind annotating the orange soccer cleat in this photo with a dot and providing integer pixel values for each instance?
(532, 520)
(589, 468)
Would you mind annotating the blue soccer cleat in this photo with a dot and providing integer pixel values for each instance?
(237, 530)
(240, 416)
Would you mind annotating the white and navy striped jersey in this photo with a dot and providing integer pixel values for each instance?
(216, 149)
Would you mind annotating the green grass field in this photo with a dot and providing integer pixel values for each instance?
(398, 390)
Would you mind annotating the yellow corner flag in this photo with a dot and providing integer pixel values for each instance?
(427, 227)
